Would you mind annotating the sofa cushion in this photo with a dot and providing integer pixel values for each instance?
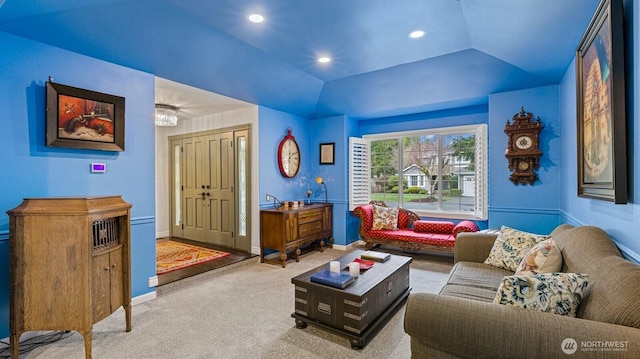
(478, 275)
(544, 257)
(557, 293)
(433, 227)
(510, 247)
(385, 217)
(463, 291)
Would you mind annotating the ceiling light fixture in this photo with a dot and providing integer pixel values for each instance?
(257, 18)
(417, 34)
(166, 115)
(324, 59)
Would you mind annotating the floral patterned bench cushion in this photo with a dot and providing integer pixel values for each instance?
(385, 217)
(365, 213)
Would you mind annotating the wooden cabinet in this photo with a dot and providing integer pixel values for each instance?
(289, 228)
(69, 264)
(107, 288)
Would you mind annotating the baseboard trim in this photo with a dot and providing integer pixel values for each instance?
(144, 298)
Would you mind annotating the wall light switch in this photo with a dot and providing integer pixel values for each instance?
(98, 167)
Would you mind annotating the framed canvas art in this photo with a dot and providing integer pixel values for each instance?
(84, 119)
(602, 161)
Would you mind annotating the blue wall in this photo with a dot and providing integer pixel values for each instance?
(30, 169)
(620, 221)
(309, 135)
(272, 127)
(534, 207)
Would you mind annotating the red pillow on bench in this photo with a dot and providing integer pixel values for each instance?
(433, 227)
(465, 226)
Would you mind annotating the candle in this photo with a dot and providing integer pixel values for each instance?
(334, 266)
(354, 269)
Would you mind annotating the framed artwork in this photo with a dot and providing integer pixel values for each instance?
(84, 119)
(602, 147)
(327, 153)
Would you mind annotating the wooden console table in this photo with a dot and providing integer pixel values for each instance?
(286, 228)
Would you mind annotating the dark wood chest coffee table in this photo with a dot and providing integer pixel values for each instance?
(358, 310)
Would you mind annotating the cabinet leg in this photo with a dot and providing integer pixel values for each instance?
(14, 341)
(300, 324)
(88, 336)
(283, 259)
(127, 316)
(357, 344)
(298, 254)
(322, 245)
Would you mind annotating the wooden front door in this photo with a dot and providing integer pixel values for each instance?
(206, 169)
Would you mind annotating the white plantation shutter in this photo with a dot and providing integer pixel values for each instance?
(359, 172)
(481, 157)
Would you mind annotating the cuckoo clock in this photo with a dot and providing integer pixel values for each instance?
(523, 149)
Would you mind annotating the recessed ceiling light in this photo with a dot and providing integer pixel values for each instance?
(257, 18)
(324, 59)
(417, 34)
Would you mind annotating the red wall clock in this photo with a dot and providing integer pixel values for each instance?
(289, 156)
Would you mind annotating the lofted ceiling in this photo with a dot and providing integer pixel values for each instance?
(472, 48)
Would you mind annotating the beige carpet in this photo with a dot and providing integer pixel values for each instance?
(240, 311)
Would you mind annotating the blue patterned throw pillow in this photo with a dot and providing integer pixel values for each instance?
(557, 293)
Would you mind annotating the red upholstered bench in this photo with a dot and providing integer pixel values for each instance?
(410, 233)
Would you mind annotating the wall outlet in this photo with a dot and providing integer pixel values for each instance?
(153, 281)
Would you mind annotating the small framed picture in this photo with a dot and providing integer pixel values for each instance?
(327, 153)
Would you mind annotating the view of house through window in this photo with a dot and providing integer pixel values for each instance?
(430, 171)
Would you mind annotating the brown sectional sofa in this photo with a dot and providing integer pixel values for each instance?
(463, 322)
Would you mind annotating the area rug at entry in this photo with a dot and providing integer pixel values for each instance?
(171, 255)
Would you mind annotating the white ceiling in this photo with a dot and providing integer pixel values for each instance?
(193, 102)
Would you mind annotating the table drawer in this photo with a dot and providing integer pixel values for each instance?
(310, 216)
(309, 229)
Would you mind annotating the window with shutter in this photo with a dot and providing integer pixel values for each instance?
(436, 172)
